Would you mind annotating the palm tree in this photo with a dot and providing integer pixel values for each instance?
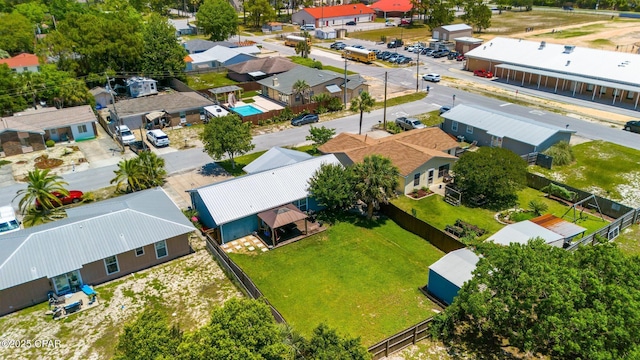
(153, 168)
(300, 87)
(40, 185)
(377, 178)
(362, 103)
(303, 48)
(129, 171)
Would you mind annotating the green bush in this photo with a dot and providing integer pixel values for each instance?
(559, 191)
(562, 153)
(322, 110)
(316, 65)
(538, 206)
(393, 128)
(50, 143)
(335, 104)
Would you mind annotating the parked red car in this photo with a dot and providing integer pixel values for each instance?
(483, 73)
(405, 22)
(75, 196)
(461, 57)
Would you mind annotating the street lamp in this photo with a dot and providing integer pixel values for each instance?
(453, 103)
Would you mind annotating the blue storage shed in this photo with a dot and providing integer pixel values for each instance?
(447, 275)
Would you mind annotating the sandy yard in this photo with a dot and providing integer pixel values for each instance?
(186, 289)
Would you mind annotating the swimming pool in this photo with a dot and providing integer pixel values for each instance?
(247, 110)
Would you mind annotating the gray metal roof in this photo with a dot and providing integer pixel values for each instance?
(521, 232)
(501, 124)
(225, 89)
(91, 232)
(456, 27)
(274, 158)
(236, 198)
(456, 266)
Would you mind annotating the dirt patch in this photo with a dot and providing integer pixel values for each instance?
(60, 159)
(44, 162)
(186, 288)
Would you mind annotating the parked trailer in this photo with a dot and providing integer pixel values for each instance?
(362, 55)
(292, 40)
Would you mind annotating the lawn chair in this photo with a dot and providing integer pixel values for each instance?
(55, 299)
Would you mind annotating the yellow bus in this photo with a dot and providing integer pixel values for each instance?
(292, 40)
(362, 55)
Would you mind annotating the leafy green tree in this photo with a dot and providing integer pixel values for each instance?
(362, 104)
(319, 136)
(538, 206)
(148, 337)
(376, 181)
(35, 11)
(548, 302)
(303, 48)
(153, 169)
(9, 87)
(40, 185)
(4, 54)
(301, 88)
(162, 56)
(16, 33)
(74, 92)
(218, 19)
(477, 14)
(260, 11)
(227, 135)
(327, 344)
(333, 187)
(128, 173)
(441, 13)
(495, 173)
(242, 329)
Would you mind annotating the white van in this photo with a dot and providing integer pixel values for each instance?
(308, 27)
(8, 221)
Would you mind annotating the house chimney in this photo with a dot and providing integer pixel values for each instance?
(275, 82)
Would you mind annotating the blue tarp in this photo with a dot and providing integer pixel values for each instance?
(88, 290)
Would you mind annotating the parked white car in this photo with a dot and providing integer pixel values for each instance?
(158, 138)
(431, 77)
(8, 221)
(125, 135)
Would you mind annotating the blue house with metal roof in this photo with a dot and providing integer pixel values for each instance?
(447, 275)
(231, 207)
(497, 129)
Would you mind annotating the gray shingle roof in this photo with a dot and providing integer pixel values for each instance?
(501, 124)
(311, 76)
(91, 232)
(199, 45)
(172, 103)
(40, 121)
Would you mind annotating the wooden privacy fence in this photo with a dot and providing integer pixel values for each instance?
(435, 236)
(242, 278)
(400, 340)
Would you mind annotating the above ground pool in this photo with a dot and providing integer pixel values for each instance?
(247, 110)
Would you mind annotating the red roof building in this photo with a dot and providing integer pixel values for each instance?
(334, 15)
(392, 8)
(22, 62)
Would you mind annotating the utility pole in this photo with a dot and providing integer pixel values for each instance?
(418, 71)
(115, 110)
(384, 113)
(344, 90)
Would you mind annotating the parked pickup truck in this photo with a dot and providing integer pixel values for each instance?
(138, 146)
(408, 123)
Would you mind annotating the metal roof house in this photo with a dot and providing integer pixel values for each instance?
(274, 158)
(608, 77)
(553, 230)
(95, 243)
(447, 275)
(333, 15)
(450, 32)
(231, 207)
(220, 56)
(496, 129)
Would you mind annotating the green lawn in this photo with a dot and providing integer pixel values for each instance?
(629, 240)
(604, 168)
(438, 213)
(360, 278)
(209, 80)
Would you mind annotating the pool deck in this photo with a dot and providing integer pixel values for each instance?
(261, 103)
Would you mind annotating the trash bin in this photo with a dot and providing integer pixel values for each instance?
(428, 87)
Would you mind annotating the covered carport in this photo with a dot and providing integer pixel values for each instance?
(515, 74)
(276, 218)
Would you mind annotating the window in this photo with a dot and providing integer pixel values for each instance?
(139, 251)
(25, 69)
(82, 128)
(603, 90)
(111, 265)
(454, 126)
(589, 87)
(630, 94)
(53, 131)
(469, 129)
(613, 233)
(416, 179)
(301, 204)
(443, 170)
(161, 249)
